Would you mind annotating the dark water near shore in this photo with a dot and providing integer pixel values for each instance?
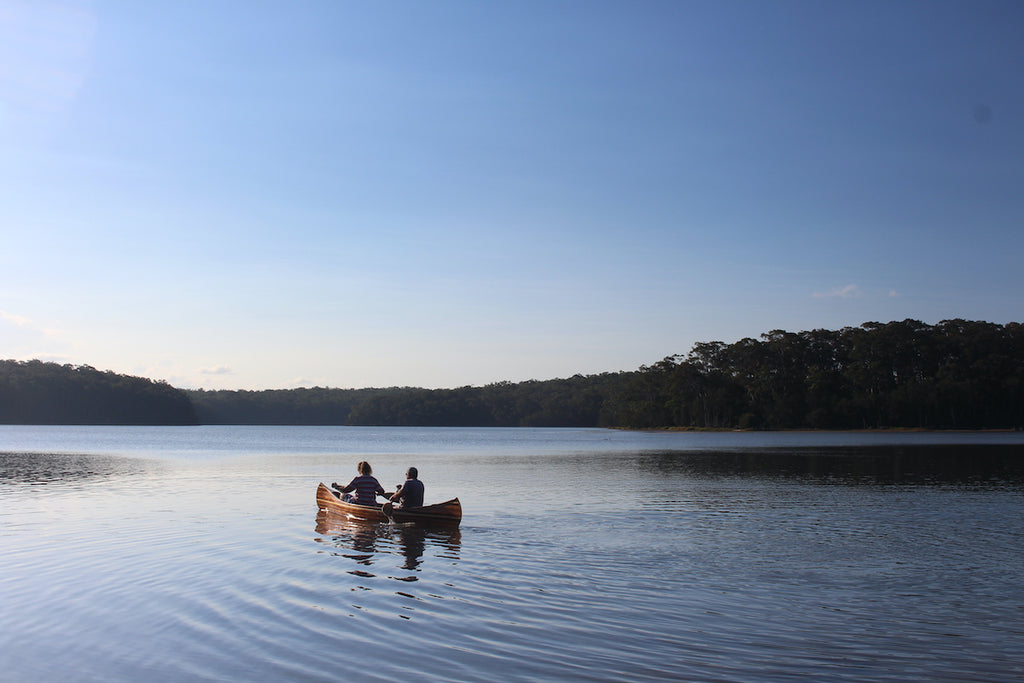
(198, 554)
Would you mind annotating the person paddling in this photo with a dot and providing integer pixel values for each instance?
(366, 487)
(409, 494)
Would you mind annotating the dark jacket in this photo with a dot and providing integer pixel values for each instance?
(411, 494)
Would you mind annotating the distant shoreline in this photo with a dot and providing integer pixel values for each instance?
(809, 430)
(904, 376)
(694, 430)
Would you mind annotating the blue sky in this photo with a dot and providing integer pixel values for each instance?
(245, 194)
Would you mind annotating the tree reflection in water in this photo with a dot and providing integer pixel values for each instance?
(63, 468)
(988, 465)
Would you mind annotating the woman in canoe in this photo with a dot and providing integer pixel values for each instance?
(366, 487)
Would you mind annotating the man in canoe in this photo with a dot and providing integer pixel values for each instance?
(409, 494)
(366, 487)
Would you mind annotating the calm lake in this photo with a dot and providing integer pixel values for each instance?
(197, 553)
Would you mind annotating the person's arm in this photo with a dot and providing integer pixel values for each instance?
(345, 489)
(397, 495)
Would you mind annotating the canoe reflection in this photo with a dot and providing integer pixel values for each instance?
(368, 539)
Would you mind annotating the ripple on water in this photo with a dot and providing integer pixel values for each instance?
(714, 578)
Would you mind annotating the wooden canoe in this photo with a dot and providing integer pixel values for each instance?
(448, 512)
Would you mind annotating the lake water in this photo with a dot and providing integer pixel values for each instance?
(197, 553)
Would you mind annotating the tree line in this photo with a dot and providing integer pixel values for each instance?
(34, 392)
(574, 402)
(957, 374)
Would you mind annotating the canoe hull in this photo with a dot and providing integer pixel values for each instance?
(447, 513)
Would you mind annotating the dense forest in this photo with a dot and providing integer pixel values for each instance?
(34, 392)
(957, 374)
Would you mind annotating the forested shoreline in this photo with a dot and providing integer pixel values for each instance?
(956, 374)
(34, 392)
(574, 402)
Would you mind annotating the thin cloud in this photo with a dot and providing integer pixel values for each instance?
(216, 370)
(23, 323)
(847, 292)
(16, 320)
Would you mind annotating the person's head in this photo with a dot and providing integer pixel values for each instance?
(364, 467)
(411, 473)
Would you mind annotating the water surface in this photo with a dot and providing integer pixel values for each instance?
(199, 554)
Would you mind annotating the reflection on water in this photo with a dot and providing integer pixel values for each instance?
(366, 542)
(377, 553)
(978, 465)
(52, 468)
(728, 558)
